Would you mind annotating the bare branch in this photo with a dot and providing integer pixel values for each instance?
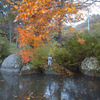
(86, 3)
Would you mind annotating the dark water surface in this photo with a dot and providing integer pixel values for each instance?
(49, 87)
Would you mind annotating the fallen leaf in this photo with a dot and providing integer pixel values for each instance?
(15, 96)
(2, 80)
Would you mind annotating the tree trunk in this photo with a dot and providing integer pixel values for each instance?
(59, 36)
(10, 31)
(60, 24)
(17, 43)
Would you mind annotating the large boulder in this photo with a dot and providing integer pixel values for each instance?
(90, 67)
(12, 64)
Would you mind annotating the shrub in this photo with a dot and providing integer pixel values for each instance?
(60, 55)
(40, 57)
(80, 51)
(4, 47)
(77, 48)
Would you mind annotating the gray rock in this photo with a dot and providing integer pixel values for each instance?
(12, 64)
(90, 67)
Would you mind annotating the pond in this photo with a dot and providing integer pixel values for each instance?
(49, 87)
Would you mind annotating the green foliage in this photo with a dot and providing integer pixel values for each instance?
(78, 51)
(60, 55)
(4, 47)
(69, 55)
(40, 57)
(97, 51)
(73, 53)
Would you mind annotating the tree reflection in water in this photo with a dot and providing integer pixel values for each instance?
(48, 87)
(74, 88)
(51, 90)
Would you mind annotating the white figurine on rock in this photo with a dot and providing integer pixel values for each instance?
(49, 60)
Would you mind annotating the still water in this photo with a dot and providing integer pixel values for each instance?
(49, 87)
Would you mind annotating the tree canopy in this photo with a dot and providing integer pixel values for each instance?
(38, 18)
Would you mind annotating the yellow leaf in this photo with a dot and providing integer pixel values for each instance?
(11, 9)
(2, 80)
(73, 8)
(92, 43)
(71, 29)
(82, 41)
(57, 2)
(69, 9)
(15, 7)
(43, 1)
(15, 96)
(48, 0)
(40, 12)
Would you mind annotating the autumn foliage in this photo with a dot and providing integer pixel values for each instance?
(38, 18)
(81, 41)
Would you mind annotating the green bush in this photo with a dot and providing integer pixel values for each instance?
(73, 53)
(61, 56)
(40, 57)
(4, 47)
(80, 51)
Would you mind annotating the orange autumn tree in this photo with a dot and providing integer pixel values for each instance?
(38, 18)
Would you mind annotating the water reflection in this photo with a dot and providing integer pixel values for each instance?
(41, 87)
(51, 90)
(74, 88)
(84, 88)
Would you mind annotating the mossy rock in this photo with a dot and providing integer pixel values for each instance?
(90, 67)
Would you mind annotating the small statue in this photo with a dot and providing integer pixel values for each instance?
(49, 60)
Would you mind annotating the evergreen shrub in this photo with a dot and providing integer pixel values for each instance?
(4, 47)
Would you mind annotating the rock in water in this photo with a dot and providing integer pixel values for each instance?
(90, 67)
(12, 64)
